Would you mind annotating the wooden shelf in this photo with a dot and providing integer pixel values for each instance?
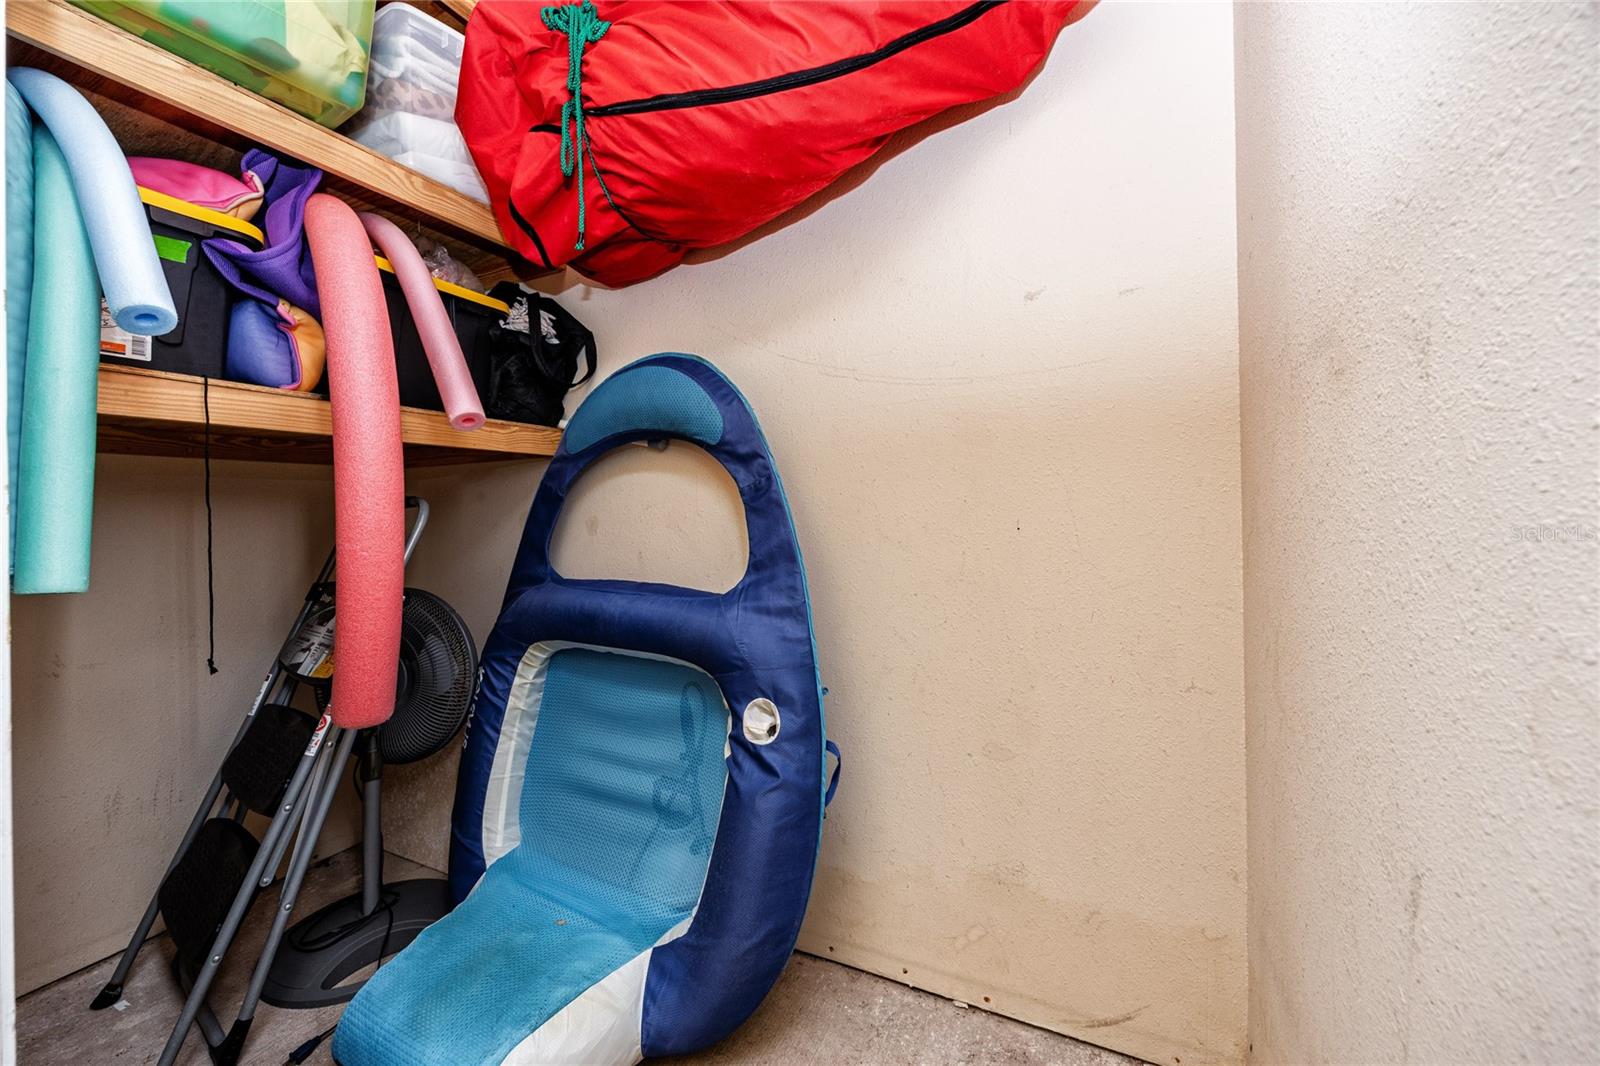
(157, 103)
(149, 412)
(462, 8)
(107, 61)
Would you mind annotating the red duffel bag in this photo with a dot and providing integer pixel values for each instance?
(619, 136)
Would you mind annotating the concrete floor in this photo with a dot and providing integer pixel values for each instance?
(818, 1012)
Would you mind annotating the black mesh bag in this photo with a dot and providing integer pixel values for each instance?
(530, 372)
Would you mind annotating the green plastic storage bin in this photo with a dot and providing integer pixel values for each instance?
(309, 55)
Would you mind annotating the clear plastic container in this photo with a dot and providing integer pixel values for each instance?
(411, 98)
(431, 146)
(309, 55)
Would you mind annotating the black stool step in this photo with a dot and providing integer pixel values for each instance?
(258, 768)
(195, 897)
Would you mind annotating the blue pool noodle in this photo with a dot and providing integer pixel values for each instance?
(55, 481)
(130, 273)
(19, 276)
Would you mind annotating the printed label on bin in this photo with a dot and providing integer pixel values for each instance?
(114, 340)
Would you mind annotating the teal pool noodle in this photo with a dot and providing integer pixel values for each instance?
(55, 478)
(19, 277)
(124, 252)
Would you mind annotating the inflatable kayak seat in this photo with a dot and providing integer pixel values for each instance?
(640, 799)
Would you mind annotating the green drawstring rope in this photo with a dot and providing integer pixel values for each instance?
(583, 26)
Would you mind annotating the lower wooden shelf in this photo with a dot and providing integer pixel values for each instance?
(150, 412)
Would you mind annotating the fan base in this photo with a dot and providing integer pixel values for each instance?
(303, 978)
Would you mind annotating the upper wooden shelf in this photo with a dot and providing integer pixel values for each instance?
(94, 45)
(149, 412)
(462, 8)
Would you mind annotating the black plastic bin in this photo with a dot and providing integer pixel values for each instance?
(472, 314)
(199, 342)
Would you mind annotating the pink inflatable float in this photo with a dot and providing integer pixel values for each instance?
(368, 465)
(439, 338)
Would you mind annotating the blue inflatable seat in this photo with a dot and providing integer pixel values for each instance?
(640, 799)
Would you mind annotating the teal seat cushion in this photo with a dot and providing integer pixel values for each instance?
(620, 799)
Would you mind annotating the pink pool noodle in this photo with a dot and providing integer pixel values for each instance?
(368, 466)
(439, 338)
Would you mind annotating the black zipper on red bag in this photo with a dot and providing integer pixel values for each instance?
(533, 234)
(799, 78)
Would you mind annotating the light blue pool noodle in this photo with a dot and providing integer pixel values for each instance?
(55, 479)
(19, 277)
(124, 253)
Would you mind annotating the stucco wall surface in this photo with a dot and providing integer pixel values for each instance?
(1417, 252)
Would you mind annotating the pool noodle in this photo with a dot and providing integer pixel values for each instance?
(55, 480)
(439, 338)
(19, 278)
(368, 467)
(119, 232)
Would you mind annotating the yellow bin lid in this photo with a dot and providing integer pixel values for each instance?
(152, 198)
(453, 289)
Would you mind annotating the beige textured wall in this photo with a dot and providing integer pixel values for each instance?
(1000, 379)
(117, 727)
(1418, 242)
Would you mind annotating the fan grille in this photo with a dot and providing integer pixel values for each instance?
(438, 671)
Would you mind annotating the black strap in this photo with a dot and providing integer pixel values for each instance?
(571, 334)
(838, 764)
(211, 577)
